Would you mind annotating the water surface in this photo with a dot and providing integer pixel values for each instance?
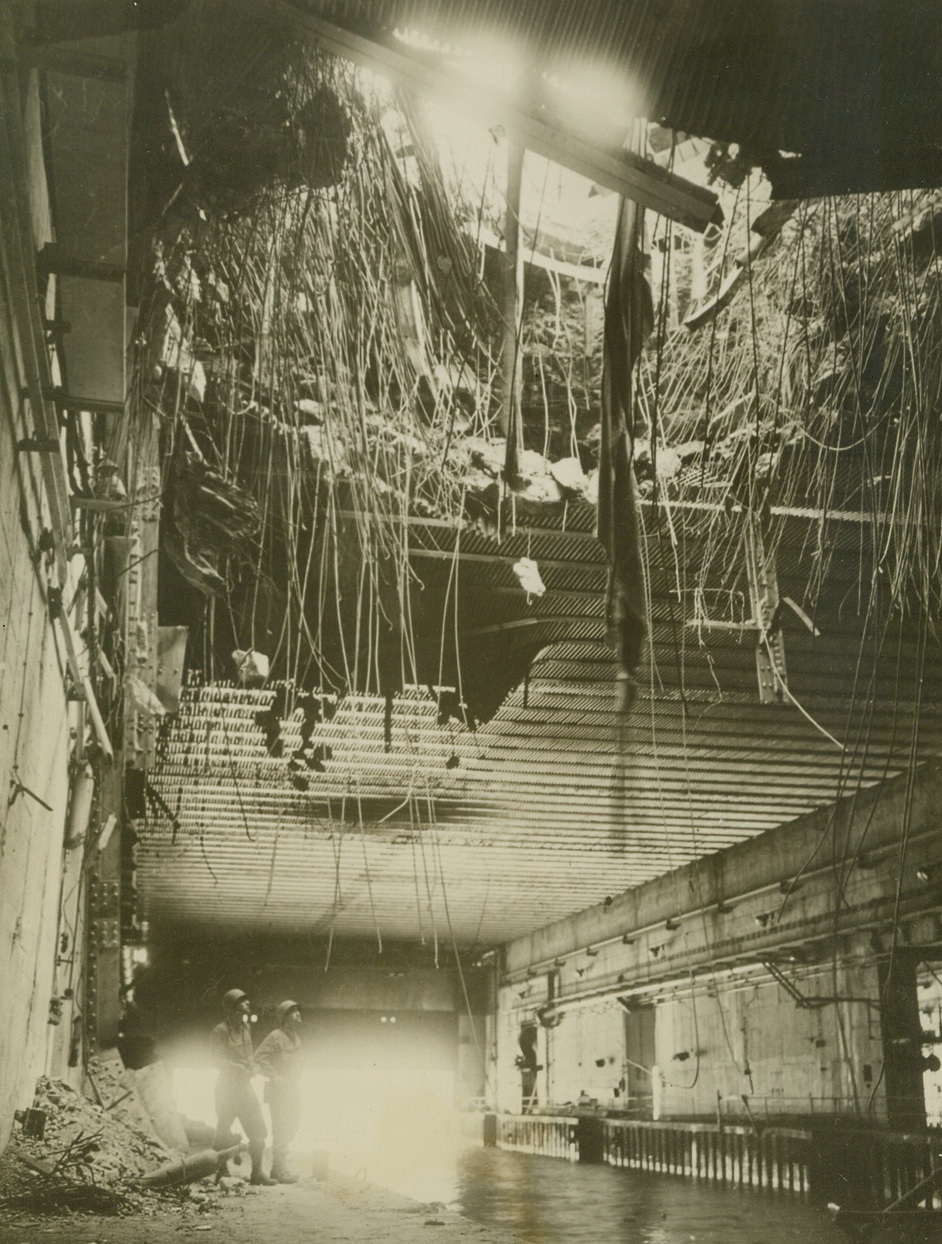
(548, 1200)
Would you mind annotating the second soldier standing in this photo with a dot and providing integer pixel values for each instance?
(279, 1057)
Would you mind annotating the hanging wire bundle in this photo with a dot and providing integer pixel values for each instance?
(318, 337)
(818, 389)
(796, 403)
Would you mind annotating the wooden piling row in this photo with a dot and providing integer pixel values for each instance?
(733, 1156)
(552, 1136)
(871, 1167)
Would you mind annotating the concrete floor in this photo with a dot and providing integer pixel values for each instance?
(329, 1212)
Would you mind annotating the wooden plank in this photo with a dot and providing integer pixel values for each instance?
(625, 173)
(63, 60)
(537, 259)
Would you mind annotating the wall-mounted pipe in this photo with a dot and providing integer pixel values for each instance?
(81, 795)
(83, 680)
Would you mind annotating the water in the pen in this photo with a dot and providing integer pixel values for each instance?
(548, 1201)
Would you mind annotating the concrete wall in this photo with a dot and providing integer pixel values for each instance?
(581, 1058)
(696, 947)
(753, 1042)
(506, 1077)
(585, 1058)
(736, 1042)
(34, 714)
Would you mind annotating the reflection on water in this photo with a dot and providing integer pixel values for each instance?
(548, 1201)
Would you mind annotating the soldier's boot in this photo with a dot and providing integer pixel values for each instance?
(258, 1176)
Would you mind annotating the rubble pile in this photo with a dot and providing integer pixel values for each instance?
(88, 1159)
(85, 1143)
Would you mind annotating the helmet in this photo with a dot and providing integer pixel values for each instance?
(232, 997)
(284, 1008)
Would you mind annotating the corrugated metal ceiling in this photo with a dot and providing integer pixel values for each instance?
(556, 802)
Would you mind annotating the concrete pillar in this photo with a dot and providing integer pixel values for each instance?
(590, 1139)
(103, 942)
(902, 1068)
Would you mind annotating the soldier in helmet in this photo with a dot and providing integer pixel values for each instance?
(235, 1096)
(280, 1058)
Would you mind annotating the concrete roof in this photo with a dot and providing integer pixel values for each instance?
(558, 801)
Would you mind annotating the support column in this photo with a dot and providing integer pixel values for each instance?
(103, 959)
(511, 417)
(590, 1138)
(902, 1068)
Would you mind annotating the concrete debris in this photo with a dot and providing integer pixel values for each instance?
(114, 1088)
(251, 667)
(539, 481)
(326, 448)
(569, 475)
(196, 383)
(534, 481)
(33, 1122)
(311, 411)
(482, 460)
(668, 462)
(85, 1142)
(528, 574)
(87, 1160)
